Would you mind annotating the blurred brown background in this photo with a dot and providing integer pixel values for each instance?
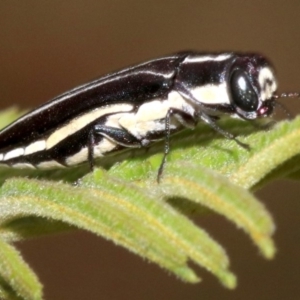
(47, 47)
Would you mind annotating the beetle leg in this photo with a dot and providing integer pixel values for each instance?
(182, 117)
(119, 136)
(212, 123)
(210, 120)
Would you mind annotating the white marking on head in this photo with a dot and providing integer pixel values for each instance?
(205, 58)
(35, 147)
(50, 164)
(212, 94)
(267, 82)
(80, 122)
(13, 153)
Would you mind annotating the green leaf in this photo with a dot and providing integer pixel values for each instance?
(204, 172)
(8, 115)
(164, 220)
(121, 212)
(216, 192)
(17, 281)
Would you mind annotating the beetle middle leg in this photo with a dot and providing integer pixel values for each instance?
(182, 117)
(118, 135)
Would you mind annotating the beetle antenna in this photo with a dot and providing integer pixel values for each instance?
(287, 95)
(282, 106)
(284, 109)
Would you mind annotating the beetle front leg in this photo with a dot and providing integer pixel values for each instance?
(182, 117)
(212, 123)
(118, 135)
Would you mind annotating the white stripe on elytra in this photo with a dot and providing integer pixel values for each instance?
(23, 166)
(13, 153)
(77, 158)
(35, 147)
(103, 147)
(149, 115)
(50, 164)
(204, 58)
(99, 150)
(82, 121)
(86, 87)
(32, 148)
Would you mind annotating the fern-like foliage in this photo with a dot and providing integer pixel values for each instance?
(123, 203)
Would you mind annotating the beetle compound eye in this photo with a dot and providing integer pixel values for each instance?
(242, 92)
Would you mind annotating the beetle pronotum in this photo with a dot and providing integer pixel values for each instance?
(139, 105)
